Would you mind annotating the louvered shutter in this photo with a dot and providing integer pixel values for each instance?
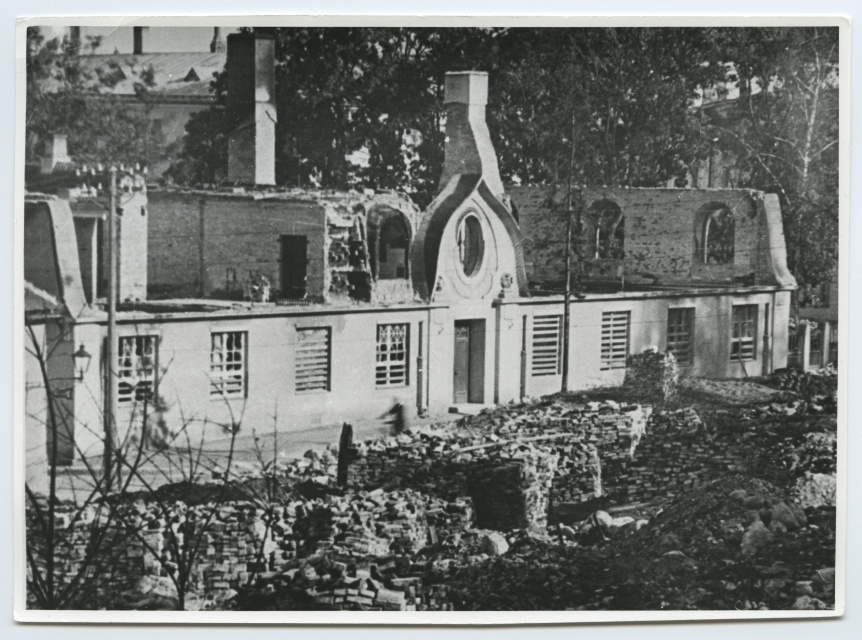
(547, 345)
(615, 339)
(312, 359)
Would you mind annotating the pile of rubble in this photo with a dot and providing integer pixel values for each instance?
(514, 462)
(734, 543)
(653, 375)
(805, 383)
(456, 516)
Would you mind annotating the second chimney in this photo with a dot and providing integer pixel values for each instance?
(468, 141)
(251, 108)
(217, 45)
(138, 40)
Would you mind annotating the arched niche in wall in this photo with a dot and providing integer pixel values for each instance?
(389, 238)
(714, 234)
(609, 230)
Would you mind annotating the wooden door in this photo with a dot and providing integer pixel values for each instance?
(461, 377)
(294, 266)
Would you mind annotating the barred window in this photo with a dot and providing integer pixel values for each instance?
(228, 364)
(792, 340)
(615, 339)
(312, 359)
(743, 343)
(136, 371)
(680, 334)
(815, 346)
(547, 345)
(393, 346)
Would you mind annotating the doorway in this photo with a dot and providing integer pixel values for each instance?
(469, 362)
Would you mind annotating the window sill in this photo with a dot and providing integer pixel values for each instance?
(214, 398)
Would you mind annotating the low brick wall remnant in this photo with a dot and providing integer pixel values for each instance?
(654, 375)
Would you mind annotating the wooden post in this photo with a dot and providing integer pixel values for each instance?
(567, 298)
(345, 454)
(111, 357)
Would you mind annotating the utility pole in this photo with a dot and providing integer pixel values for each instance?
(111, 359)
(567, 298)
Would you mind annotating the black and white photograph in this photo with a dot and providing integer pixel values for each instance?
(404, 320)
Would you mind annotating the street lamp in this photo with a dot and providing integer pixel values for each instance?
(82, 361)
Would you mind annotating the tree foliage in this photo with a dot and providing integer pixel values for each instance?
(363, 107)
(65, 96)
(783, 134)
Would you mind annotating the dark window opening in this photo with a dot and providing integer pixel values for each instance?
(294, 266)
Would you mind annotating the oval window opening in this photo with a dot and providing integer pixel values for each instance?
(471, 246)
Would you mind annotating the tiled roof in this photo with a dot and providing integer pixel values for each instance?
(177, 76)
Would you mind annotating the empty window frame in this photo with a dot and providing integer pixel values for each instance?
(228, 364)
(680, 334)
(313, 351)
(136, 370)
(815, 346)
(833, 343)
(393, 350)
(393, 249)
(610, 233)
(743, 340)
(615, 339)
(547, 345)
(719, 237)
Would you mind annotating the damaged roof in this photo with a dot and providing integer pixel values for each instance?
(180, 77)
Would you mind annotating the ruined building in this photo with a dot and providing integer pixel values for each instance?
(321, 307)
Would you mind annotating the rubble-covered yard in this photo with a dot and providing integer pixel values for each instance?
(580, 502)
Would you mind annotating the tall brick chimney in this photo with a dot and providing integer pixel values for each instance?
(468, 141)
(251, 108)
(138, 40)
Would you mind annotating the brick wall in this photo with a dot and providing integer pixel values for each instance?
(201, 240)
(660, 229)
(240, 235)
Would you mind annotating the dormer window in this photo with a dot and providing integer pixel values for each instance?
(471, 244)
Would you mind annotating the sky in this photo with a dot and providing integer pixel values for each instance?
(156, 39)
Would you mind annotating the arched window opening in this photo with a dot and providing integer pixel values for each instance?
(718, 237)
(610, 231)
(392, 251)
(471, 245)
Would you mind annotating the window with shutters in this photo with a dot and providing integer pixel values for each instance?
(615, 339)
(136, 370)
(680, 334)
(313, 349)
(547, 345)
(228, 364)
(743, 342)
(393, 346)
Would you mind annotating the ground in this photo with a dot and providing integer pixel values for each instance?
(758, 537)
